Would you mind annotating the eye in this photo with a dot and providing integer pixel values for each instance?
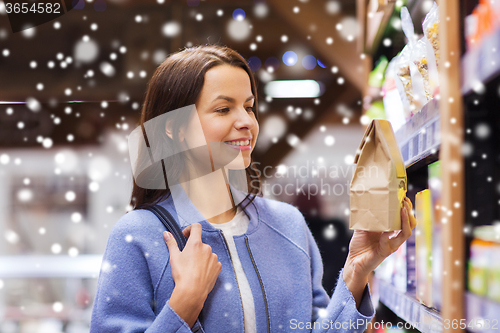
(250, 109)
(223, 110)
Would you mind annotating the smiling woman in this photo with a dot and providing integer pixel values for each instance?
(229, 118)
(250, 264)
(219, 82)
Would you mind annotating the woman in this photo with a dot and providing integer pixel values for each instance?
(250, 264)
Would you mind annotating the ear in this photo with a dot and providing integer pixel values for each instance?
(168, 131)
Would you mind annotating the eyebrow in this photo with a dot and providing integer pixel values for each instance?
(230, 99)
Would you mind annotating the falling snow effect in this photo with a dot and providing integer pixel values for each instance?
(96, 61)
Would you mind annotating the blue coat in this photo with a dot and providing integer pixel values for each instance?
(278, 254)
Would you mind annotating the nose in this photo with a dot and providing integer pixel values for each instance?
(244, 119)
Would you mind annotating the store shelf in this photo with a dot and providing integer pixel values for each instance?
(478, 310)
(420, 141)
(420, 136)
(481, 63)
(408, 308)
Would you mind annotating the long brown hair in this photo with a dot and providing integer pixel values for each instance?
(177, 83)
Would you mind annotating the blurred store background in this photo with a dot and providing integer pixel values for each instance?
(71, 91)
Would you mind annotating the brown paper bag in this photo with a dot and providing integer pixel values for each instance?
(378, 186)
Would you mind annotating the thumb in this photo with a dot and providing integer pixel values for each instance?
(171, 243)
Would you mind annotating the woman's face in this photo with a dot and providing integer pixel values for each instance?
(226, 111)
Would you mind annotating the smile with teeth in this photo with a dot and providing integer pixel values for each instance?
(238, 143)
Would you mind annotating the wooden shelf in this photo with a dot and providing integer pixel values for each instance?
(479, 309)
(438, 127)
(408, 308)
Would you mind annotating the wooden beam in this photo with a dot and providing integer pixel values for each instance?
(377, 18)
(452, 164)
(361, 12)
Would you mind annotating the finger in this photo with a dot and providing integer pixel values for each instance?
(405, 204)
(195, 232)
(405, 224)
(413, 221)
(409, 203)
(405, 231)
(171, 243)
(393, 234)
(187, 231)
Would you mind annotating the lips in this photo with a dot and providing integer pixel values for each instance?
(240, 139)
(241, 144)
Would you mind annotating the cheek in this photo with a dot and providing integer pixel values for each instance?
(215, 130)
(256, 128)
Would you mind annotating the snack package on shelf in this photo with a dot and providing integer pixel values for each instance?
(478, 266)
(430, 27)
(399, 279)
(393, 106)
(411, 274)
(419, 73)
(470, 27)
(486, 18)
(482, 21)
(378, 186)
(435, 185)
(483, 266)
(433, 74)
(423, 246)
(494, 273)
(411, 69)
(403, 81)
(385, 270)
(394, 269)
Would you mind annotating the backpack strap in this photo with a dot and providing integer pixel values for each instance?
(169, 222)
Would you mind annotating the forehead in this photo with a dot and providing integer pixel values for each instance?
(227, 80)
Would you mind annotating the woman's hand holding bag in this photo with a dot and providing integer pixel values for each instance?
(368, 249)
(194, 270)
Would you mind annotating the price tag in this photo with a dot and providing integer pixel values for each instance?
(421, 147)
(429, 134)
(410, 150)
(437, 132)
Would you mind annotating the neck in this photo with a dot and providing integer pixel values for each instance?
(211, 195)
